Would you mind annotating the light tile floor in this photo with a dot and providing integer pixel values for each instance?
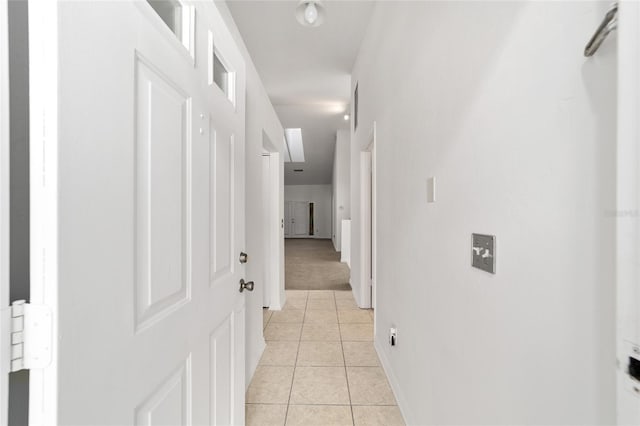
(320, 366)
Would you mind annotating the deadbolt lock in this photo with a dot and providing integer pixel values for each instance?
(244, 257)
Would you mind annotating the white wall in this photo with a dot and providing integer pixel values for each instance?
(341, 185)
(260, 119)
(496, 101)
(320, 195)
(628, 202)
(345, 243)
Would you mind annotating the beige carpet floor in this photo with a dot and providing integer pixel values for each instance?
(314, 265)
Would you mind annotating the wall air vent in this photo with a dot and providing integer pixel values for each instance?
(298, 170)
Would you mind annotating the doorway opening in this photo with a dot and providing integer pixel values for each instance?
(311, 261)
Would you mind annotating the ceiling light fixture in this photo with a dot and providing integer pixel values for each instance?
(310, 13)
(346, 117)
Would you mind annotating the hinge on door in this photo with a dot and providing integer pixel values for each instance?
(31, 330)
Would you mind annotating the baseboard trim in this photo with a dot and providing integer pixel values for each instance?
(307, 237)
(281, 302)
(395, 386)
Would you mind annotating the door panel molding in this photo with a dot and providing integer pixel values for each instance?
(163, 208)
(223, 223)
(222, 352)
(170, 402)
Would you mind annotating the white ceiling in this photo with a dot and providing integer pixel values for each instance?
(306, 71)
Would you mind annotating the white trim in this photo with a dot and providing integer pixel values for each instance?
(403, 405)
(266, 222)
(272, 296)
(273, 270)
(374, 219)
(367, 222)
(365, 229)
(345, 243)
(43, 147)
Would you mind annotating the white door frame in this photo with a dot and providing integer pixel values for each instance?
(287, 219)
(276, 233)
(368, 237)
(43, 162)
(374, 219)
(266, 221)
(4, 213)
(273, 232)
(628, 208)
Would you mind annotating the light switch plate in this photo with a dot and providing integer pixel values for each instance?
(431, 190)
(483, 252)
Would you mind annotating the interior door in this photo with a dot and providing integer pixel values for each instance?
(300, 218)
(139, 192)
(288, 218)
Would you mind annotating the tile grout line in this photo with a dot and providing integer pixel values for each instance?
(324, 404)
(268, 322)
(344, 360)
(299, 342)
(295, 364)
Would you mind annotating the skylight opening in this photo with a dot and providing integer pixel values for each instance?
(293, 138)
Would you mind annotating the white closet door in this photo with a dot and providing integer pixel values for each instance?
(300, 218)
(138, 200)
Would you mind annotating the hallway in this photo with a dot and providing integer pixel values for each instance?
(313, 264)
(470, 170)
(320, 366)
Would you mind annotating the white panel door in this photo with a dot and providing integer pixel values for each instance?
(138, 194)
(300, 218)
(288, 218)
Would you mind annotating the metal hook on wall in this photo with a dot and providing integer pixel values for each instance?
(609, 23)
